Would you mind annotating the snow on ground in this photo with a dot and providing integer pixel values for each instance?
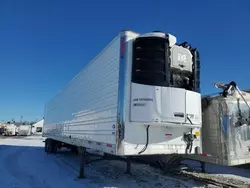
(219, 171)
(24, 164)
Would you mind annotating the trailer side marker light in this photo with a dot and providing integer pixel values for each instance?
(197, 133)
(122, 47)
(168, 134)
(206, 155)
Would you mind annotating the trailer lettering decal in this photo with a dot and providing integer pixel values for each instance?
(146, 99)
(143, 99)
(182, 58)
(139, 104)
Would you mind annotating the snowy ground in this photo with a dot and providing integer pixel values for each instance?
(241, 173)
(24, 164)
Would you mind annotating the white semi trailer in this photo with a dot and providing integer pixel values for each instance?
(10, 130)
(139, 96)
(25, 130)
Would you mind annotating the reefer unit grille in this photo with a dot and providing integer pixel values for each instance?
(149, 61)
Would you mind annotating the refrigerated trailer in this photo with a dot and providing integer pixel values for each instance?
(139, 96)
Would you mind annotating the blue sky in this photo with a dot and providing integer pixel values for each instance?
(43, 44)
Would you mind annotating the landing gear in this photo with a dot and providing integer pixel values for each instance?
(84, 160)
(82, 152)
(51, 147)
(202, 167)
(128, 162)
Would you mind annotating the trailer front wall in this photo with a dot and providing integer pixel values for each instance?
(162, 139)
(86, 109)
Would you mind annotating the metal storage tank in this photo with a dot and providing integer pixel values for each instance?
(226, 130)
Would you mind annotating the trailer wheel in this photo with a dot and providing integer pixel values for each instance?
(54, 147)
(74, 150)
(48, 145)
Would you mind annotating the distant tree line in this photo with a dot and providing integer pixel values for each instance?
(22, 123)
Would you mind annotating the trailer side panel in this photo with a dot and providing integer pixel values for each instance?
(84, 113)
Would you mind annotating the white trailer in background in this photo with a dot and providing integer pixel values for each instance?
(24, 130)
(10, 130)
(139, 96)
(37, 127)
(226, 130)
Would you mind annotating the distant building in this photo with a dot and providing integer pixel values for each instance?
(38, 126)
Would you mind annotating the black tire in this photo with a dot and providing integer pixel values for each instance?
(46, 146)
(54, 147)
(49, 145)
(74, 149)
